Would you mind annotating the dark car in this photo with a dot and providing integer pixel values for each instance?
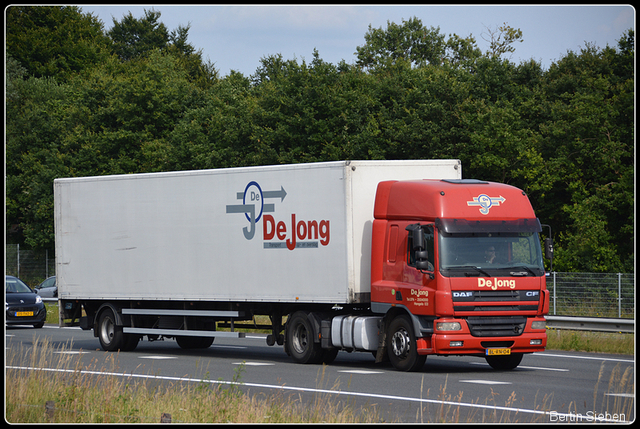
(24, 306)
(48, 288)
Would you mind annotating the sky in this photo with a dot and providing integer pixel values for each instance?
(237, 37)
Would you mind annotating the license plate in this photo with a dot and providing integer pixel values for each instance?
(24, 313)
(498, 352)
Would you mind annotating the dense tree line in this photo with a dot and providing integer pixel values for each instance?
(83, 101)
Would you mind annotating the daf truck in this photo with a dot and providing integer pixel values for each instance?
(399, 259)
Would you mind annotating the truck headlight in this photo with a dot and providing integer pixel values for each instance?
(448, 326)
(539, 325)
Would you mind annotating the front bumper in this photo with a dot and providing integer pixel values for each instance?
(25, 314)
(462, 342)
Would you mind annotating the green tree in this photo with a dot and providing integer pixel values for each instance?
(410, 42)
(133, 37)
(54, 41)
(587, 141)
(36, 118)
(502, 39)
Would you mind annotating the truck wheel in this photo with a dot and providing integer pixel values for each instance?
(504, 363)
(402, 348)
(299, 332)
(194, 342)
(110, 335)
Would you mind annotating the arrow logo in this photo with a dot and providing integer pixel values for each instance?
(486, 202)
(251, 197)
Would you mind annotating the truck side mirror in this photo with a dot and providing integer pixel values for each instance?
(417, 235)
(548, 248)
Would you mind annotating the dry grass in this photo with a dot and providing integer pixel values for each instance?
(587, 341)
(83, 397)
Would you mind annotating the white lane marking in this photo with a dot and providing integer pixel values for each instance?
(228, 347)
(72, 352)
(360, 371)
(583, 357)
(484, 382)
(299, 389)
(253, 363)
(526, 367)
(623, 395)
(157, 357)
(543, 368)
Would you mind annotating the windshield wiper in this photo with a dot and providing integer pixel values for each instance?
(464, 267)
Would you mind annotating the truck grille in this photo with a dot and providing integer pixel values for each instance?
(495, 295)
(466, 299)
(496, 326)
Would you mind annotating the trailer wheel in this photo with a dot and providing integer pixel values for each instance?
(299, 332)
(110, 335)
(503, 363)
(402, 348)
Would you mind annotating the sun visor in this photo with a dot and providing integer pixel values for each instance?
(465, 226)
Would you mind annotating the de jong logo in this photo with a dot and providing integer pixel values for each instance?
(277, 234)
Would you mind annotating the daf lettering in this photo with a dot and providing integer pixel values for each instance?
(462, 294)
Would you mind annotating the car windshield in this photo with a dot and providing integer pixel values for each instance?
(478, 253)
(13, 285)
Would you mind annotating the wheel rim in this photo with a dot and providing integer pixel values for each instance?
(300, 339)
(400, 343)
(107, 330)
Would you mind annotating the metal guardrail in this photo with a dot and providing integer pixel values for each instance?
(600, 324)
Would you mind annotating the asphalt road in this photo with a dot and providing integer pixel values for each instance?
(552, 386)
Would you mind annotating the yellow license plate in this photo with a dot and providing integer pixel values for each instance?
(498, 352)
(24, 313)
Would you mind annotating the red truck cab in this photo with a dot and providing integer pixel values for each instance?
(457, 269)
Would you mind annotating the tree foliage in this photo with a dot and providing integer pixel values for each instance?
(54, 41)
(410, 42)
(144, 100)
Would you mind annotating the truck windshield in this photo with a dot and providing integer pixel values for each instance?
(484, 254)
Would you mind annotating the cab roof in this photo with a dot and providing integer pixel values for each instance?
(453, 199)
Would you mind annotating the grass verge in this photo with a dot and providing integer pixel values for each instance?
(587, 341)
(76, 393)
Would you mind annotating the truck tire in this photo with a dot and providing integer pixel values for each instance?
(110, 335)
(402, 346)
(194, 342)
(300, 335)
(504, 363)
